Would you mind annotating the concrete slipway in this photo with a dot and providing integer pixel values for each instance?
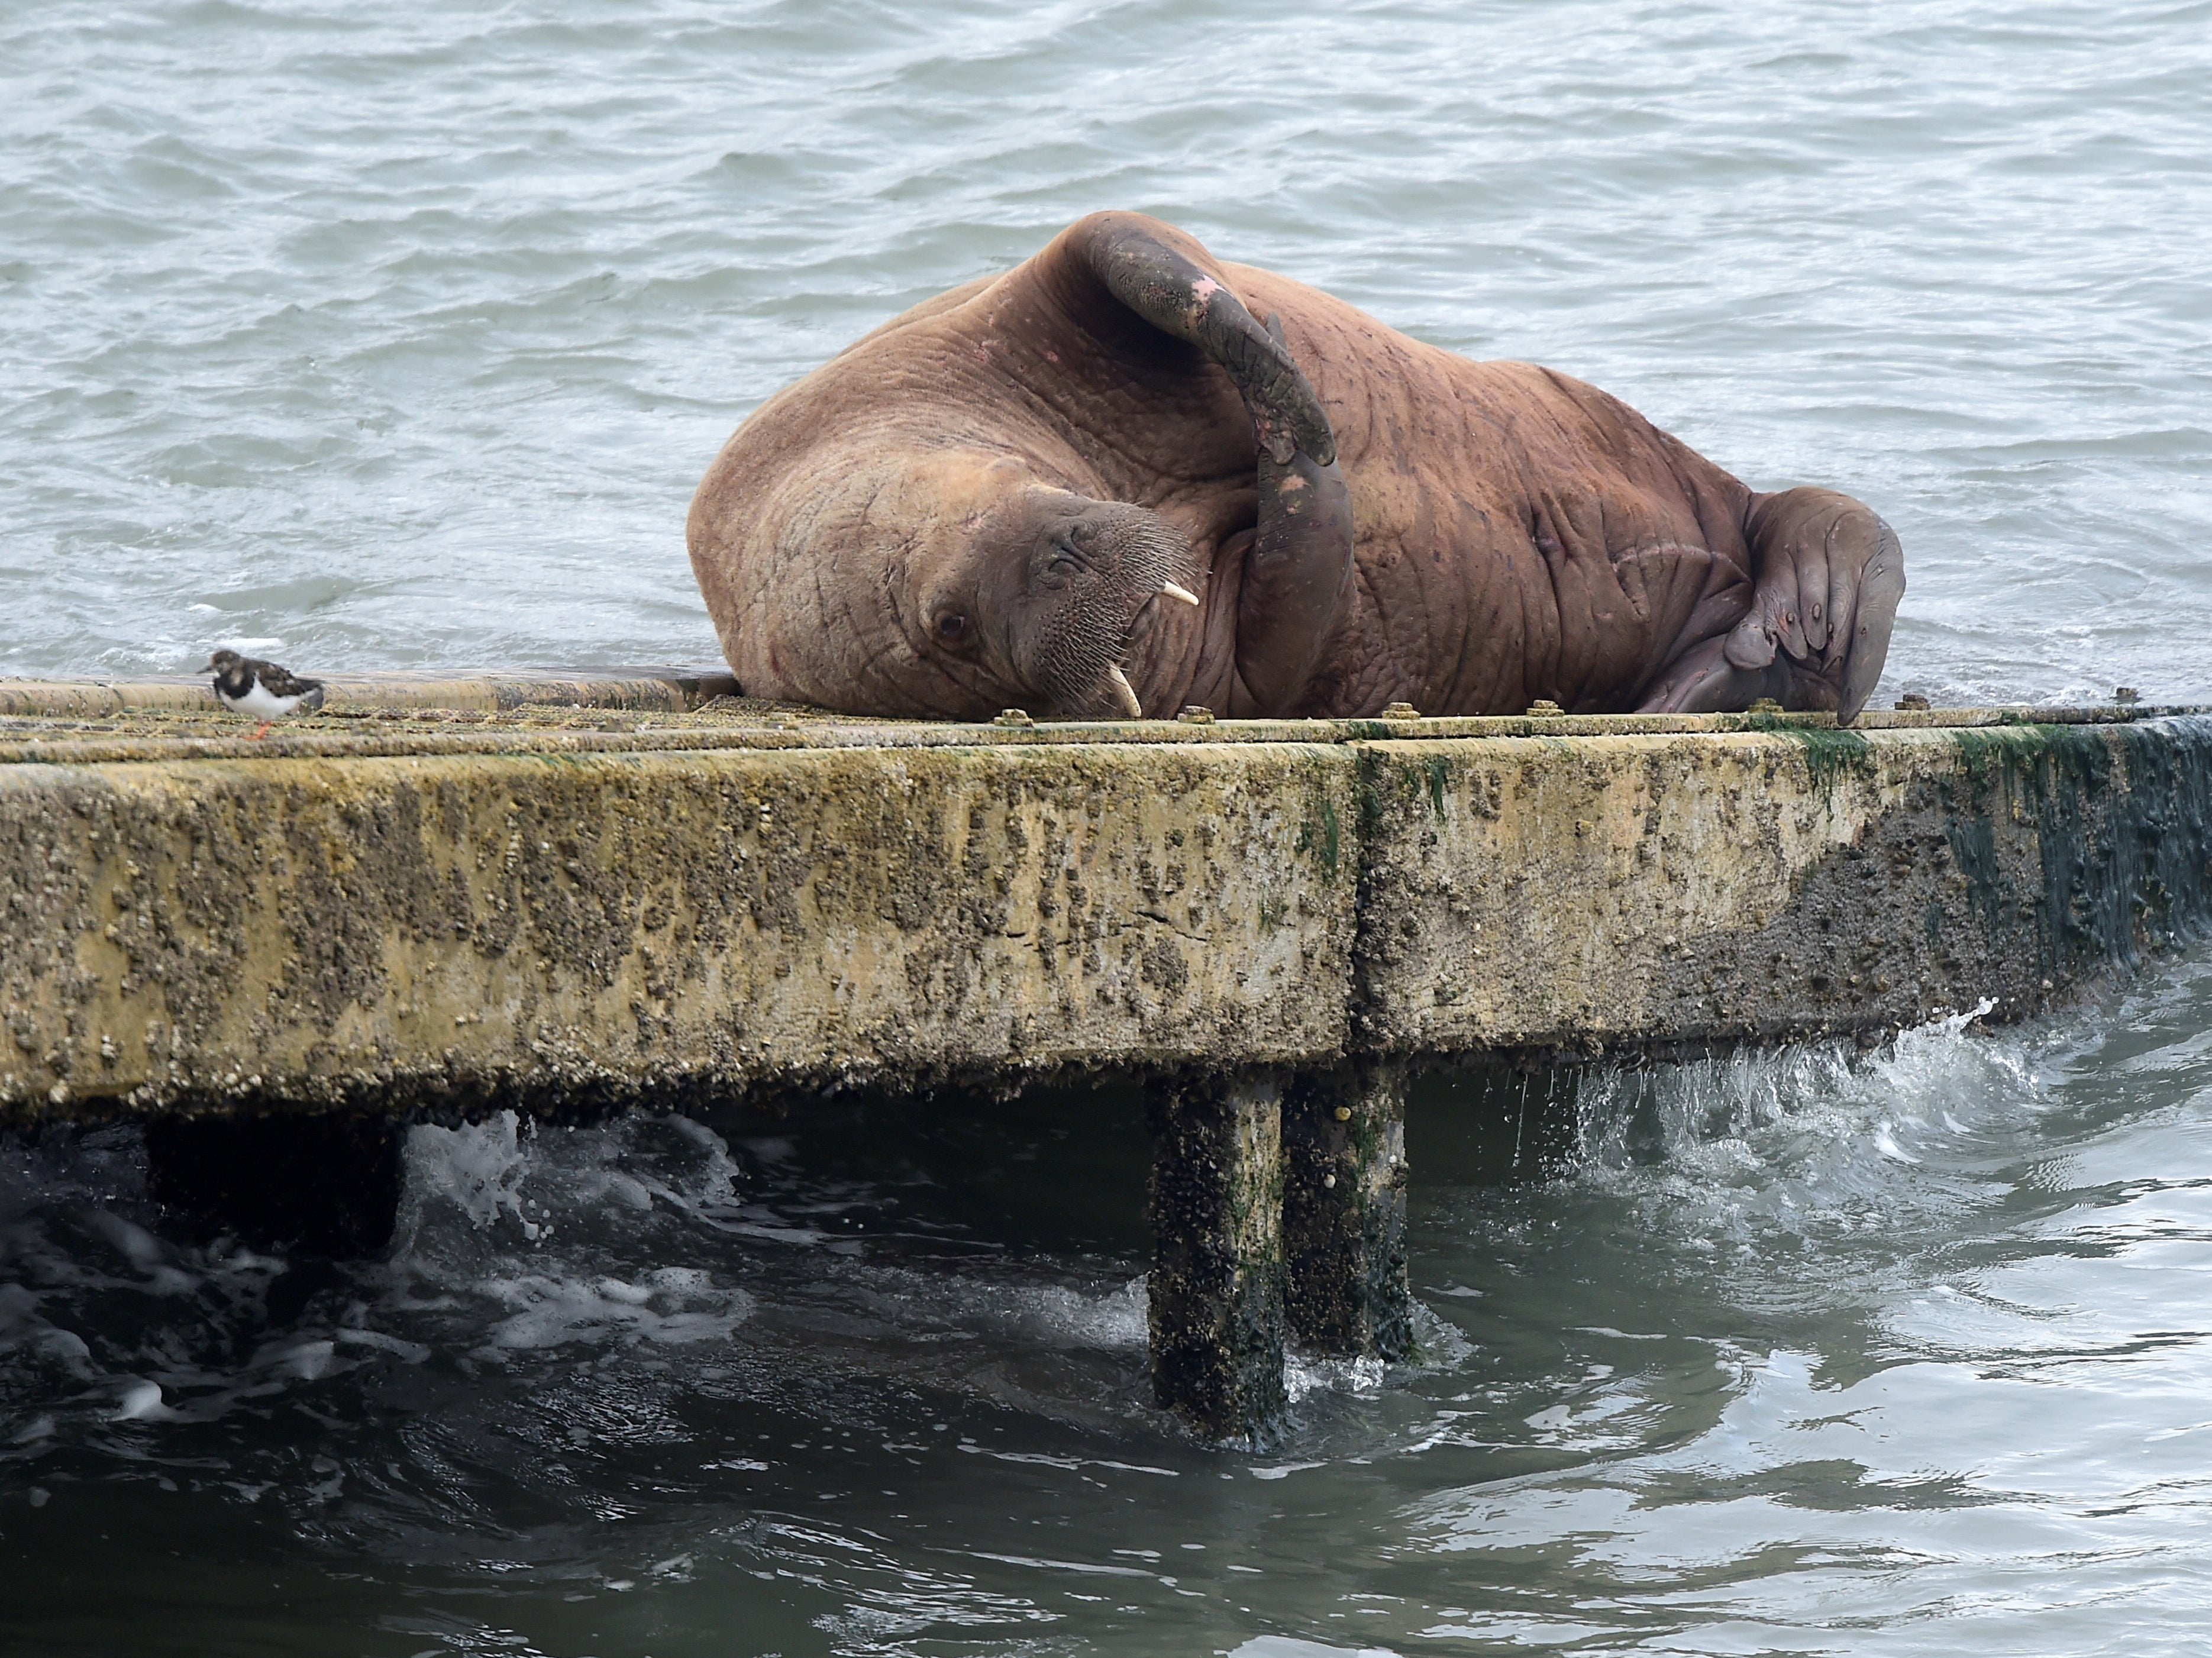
(450, 896)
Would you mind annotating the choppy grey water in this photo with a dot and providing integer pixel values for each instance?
(391, 337)
(399, 336)
(1808, 1352)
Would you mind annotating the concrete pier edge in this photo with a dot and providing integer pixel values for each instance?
(668, 894)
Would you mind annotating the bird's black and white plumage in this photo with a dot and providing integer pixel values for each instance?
(245, 685)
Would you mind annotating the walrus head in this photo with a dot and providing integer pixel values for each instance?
(964, 583)
(1045, 595)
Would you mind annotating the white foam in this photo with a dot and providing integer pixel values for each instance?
(511, 1221)
(1046, 1315)
(477, 1168)
(672, 1306)
(1359, 1377)
(1885, 1141)
(142, 1402)
(1072, 1318)
(1812, 1134)
(506, 1172)
(410, 1352)
(310, 1361)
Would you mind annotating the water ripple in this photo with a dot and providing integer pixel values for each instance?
(454, 307)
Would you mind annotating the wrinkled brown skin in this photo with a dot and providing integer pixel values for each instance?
(974, 506)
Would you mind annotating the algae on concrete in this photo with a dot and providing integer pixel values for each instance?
(562, 930)
(558, 912)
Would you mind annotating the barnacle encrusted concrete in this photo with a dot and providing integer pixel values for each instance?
(560, 912)
(560, 930)
(1215, 1298)
(1343, 1136)
(1575, 893)
(393, 909)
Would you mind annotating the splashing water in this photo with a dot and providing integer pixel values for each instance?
(1773, 1335)
(1754, 1144)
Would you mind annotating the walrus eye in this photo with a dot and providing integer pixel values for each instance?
(951, 627)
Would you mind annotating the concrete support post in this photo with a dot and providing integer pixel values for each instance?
(1344, 1210)
(1217, 1282)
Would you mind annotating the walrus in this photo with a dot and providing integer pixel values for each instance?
(1100, 485)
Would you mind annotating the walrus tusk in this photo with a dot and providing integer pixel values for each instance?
(1127, 692)
(1183, 593)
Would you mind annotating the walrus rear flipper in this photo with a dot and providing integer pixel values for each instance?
(1128, 254)
(1827, 574)
(1296, 588)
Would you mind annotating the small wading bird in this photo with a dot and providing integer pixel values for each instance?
(245, 685)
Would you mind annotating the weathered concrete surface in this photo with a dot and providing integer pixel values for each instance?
(1582, 893)
(447, 907)
(559, 911)
(673, 690)
(565, 929)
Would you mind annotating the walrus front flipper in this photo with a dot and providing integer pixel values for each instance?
(1827, 577)
(1169, 291)
(1827, 574)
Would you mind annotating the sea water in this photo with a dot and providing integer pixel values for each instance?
(380, 337)
(384, 336)
(1813, 1350)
